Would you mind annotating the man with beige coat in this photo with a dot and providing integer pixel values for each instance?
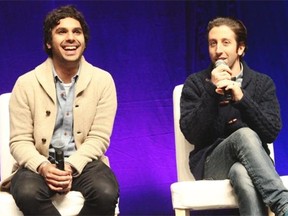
(68, 105)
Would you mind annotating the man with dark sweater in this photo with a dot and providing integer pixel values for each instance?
(230, 113)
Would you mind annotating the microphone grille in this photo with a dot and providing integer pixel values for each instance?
(220, 62)
(58, 144)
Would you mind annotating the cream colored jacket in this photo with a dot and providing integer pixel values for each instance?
(33, 110)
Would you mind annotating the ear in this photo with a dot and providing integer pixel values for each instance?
(241, 49)
(48, 45)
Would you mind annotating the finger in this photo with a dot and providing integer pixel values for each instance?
(231, 85)
(59, 183)
(219, 91)
(232, 121)
(65, 190)
(57, 177)
(52, 187)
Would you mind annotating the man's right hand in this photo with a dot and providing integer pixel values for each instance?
(222, 72)
(56, 179)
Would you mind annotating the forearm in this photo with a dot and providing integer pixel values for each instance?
(198, 113)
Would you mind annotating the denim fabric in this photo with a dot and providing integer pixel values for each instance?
(238, 176)
(258, 182)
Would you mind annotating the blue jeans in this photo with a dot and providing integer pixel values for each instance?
(97, 184)
(243, 160)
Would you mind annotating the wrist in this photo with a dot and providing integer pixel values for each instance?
(70, 168)
(41, 167)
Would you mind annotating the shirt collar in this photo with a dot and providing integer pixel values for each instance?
(57, 78)
(239, 77)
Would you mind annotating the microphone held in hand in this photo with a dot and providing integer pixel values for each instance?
(59, 157)
(227, 93)
(59, 154)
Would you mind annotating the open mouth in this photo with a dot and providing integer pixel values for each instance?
(70, 48)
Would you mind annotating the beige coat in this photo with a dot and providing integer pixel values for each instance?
(33, 109)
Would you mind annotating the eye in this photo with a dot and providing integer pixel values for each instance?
(226, 42)
(212, 43)
(61, 31)
(78, 31)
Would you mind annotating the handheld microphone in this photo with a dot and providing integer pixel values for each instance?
(59, 154)
(227, 93)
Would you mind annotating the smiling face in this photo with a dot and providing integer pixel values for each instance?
(223, 45)
(68, 43)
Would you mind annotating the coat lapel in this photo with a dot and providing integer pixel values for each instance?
(85, 76)
(45, 77)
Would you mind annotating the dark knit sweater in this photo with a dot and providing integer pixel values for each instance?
(204, 122)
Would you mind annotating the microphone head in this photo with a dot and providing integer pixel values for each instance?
(58, 144)
(220, 62)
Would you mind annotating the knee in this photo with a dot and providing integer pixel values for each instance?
(239, 177)
(26, 193)
(246, 137)
(105, 192)
(109, 193)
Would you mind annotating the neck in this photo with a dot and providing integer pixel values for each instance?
(66, 70)
(236, 68)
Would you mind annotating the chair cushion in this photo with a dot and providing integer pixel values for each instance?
(8, 206)
(205, 194)
(70, 204)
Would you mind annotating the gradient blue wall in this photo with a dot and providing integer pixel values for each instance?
(149, 47)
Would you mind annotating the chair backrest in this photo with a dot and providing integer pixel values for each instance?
(183, 147)
(6, 159)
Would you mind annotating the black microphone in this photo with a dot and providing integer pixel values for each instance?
(227, 93)
(59, 154)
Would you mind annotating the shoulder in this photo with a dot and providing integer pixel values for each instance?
(94, 71)
(256, 76)
(41, 71)
(198, 81)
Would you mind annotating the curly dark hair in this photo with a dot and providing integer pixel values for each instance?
(53, 18)
(235, 25)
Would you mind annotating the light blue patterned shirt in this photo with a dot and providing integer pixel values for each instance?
(63, 131)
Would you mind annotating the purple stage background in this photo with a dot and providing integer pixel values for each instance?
(149, 47)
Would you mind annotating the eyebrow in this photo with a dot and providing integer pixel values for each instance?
(222, 39)
(64, 28)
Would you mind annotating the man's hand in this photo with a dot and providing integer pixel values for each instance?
(222, 72)
(230, 85)
(56, 179)
(221, 78)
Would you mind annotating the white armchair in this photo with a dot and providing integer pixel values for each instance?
(69, 204)
(188, 194)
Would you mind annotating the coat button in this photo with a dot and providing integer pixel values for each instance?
(48, 113)
(43, 140)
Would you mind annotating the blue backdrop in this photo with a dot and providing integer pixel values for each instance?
(149, 47)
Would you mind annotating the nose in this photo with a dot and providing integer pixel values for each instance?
(70, 36)
(219, 48)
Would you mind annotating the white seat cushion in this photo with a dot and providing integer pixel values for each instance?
(203, 194)
(8, 206)
(68, 205)
(206, 194)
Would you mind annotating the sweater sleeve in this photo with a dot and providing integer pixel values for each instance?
(260, 108)
(198, 107)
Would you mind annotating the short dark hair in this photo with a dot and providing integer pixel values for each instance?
(53, 18)
(235, 25)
